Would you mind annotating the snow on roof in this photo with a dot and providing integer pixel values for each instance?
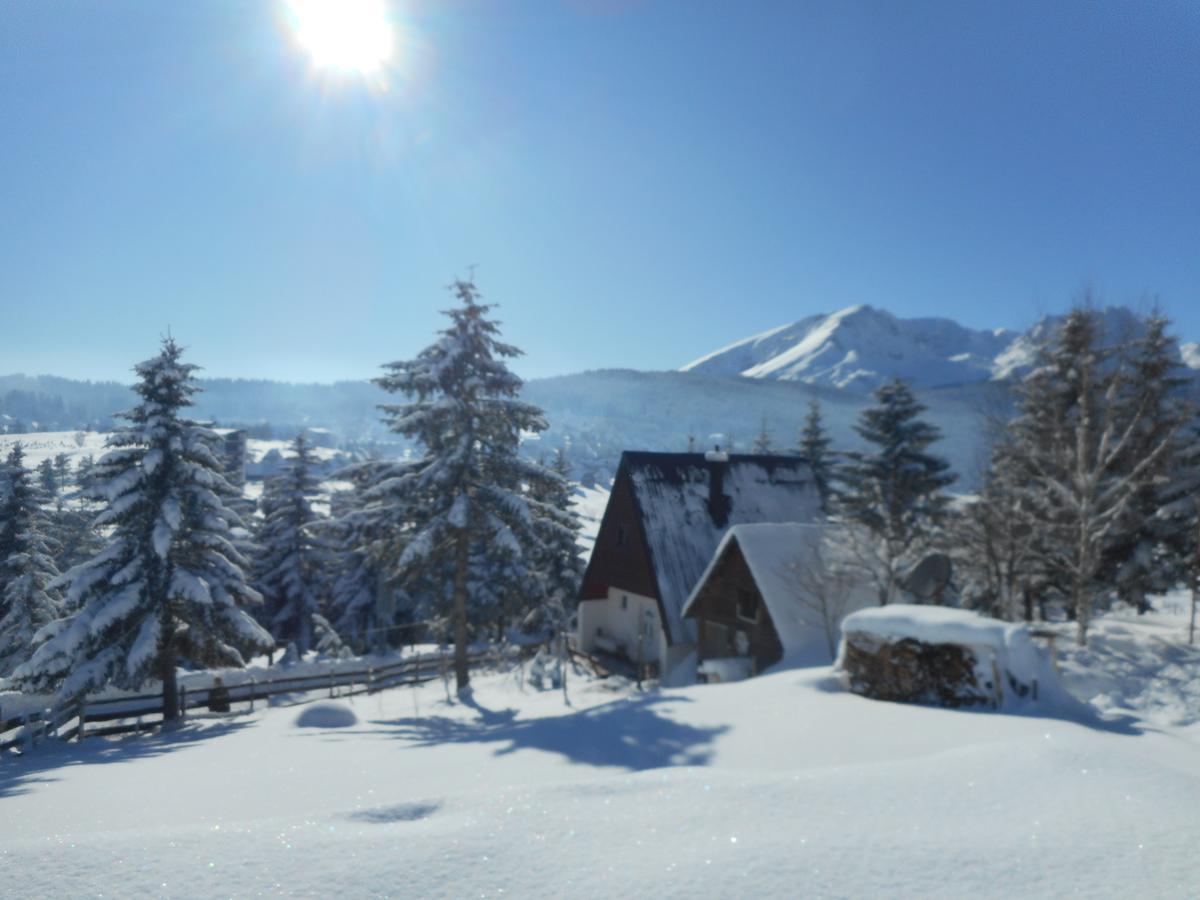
(672, 494)
(769, 549)
(774, 553)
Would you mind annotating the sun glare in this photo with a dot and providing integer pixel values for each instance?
(351, 35)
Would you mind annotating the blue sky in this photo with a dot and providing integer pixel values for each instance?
(637, 182)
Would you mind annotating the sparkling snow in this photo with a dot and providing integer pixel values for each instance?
(781, 785)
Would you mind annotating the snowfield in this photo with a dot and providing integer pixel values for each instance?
(783, 785)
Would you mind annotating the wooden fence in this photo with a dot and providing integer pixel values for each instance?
(143, 712)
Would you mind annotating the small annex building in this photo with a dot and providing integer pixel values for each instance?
(665, 518)
(759, 598)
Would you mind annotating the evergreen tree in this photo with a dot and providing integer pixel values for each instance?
(170, 582)
(27, 603)
(762, 442)
(356, 583)
(468, 527)
(47, 478)
(815, 446)
(62, 473)
(83, 473)
(1082, 449)
(1149, 551)
(894, 491)
(291, 563)
(994, 542)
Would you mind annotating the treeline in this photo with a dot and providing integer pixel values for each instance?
(1090, 496)
(464, 539)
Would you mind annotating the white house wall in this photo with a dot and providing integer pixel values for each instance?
(621, 623)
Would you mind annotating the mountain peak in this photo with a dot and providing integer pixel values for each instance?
(860, 347)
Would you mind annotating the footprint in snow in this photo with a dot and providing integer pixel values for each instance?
(401, 812)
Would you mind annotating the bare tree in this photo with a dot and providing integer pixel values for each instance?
(824, 584)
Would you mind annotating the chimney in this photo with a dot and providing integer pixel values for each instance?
(718, 503)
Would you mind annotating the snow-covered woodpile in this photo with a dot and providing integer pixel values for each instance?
(939, 656)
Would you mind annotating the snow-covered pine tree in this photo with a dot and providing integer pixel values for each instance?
(84, 473)
(894, 490)
(27, 602)
(291, 564)
(358, 590)
(994, 542)
(558, 566)
(815, 446)
(1149, 550)
(170, 582)
(62, 474)
(461, 503)
(762, 441)
(47, 478)
(1076, 441)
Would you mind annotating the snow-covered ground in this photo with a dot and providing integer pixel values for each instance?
(42, 445)
(589, 504)
(1138, 665)
(782, 785)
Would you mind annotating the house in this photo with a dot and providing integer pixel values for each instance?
(768, 592)
(665, 518)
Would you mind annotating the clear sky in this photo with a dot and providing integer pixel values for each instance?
(637, 182)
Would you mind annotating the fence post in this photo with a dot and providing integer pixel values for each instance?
(253, 684)
(182, 704)
(370, 678)
(331, 685)
(82, 710)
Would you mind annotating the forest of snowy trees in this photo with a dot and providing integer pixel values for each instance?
(123, 569)
(158, 561)
(1091, 494)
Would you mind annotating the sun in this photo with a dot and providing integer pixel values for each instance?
(350, 35)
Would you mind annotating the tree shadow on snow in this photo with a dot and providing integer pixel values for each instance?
(630, 733)
(20, 773)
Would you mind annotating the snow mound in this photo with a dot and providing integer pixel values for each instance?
(1026, 673)
(327, 715)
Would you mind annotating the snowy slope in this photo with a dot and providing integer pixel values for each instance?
(43, 445)
(780, 786)
(859, 347)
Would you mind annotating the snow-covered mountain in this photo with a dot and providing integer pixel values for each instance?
(859, 347)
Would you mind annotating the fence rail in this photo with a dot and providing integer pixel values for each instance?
(143, 712)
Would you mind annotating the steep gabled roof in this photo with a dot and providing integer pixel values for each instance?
(682, 527)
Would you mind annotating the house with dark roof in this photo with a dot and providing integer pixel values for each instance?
(665, 518)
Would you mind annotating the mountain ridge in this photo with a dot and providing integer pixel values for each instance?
(859, 347)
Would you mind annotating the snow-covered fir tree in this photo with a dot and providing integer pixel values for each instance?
(894, 491)
(558, 566)
(815, 446)
(169, 583)
(27, 602)
(291, 564)
(1086, 461)
(994, 538)
(355, 577)
(1150, 550)
(468, 527)
(47, 478)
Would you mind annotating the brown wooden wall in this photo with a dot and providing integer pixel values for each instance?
(716, 603)
(625, 566)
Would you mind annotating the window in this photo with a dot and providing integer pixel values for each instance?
(747, 605)
(620, 535)
(624, 601)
